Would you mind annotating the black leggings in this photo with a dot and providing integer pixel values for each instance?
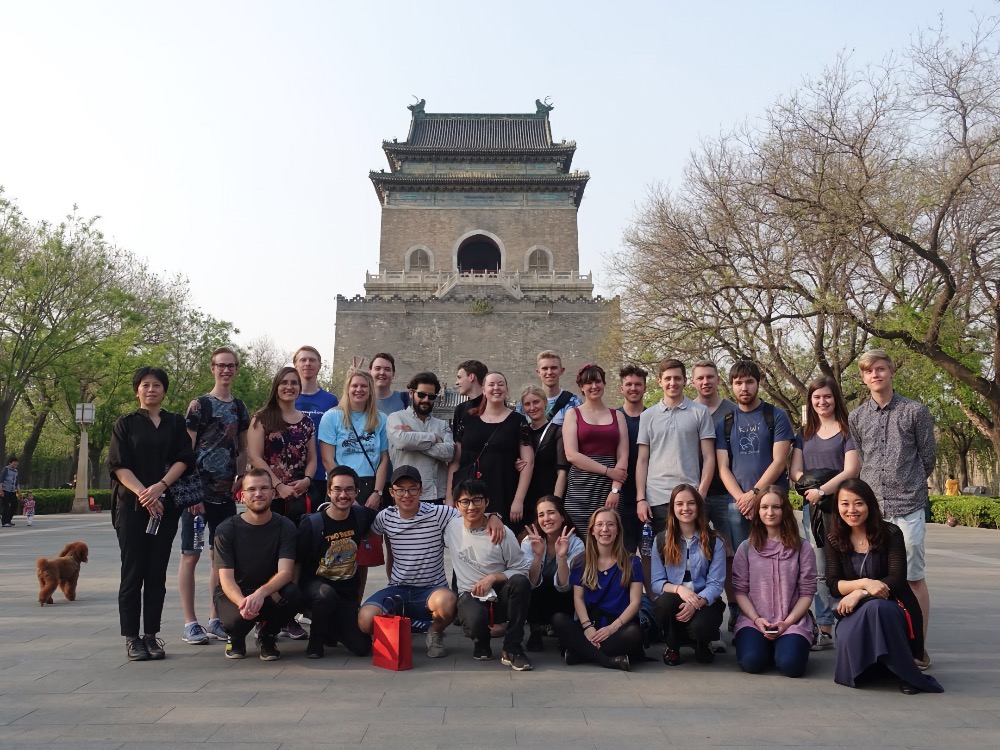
(626, 642)
(336, 617)
(546, 602)
(703, 627)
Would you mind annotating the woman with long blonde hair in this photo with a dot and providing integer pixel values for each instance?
(607, 592)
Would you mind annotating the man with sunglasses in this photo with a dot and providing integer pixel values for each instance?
(420, 440)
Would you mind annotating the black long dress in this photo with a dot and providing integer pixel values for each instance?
(496, 446)
(879, 631)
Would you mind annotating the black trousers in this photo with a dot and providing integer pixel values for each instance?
(511, 607)
(144, 565)
(626, 642)
(703, 627)
(336, 617)
(273, 615)
(9, 507)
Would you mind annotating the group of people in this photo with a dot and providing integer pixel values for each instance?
(605, 527)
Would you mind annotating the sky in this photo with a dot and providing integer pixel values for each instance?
(231, 141)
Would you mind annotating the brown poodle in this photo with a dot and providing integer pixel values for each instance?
(61, 572)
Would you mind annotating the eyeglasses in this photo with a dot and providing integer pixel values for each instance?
(402, 492)
(225, 365)
(475, 502)
(428, 396)
(344, 490)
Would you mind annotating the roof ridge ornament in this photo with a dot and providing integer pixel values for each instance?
(417, 108)
(543, 107)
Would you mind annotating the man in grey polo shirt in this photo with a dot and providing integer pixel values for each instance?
(895, 441)
(676, 446)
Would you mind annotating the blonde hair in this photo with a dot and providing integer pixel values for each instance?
(533, 390)
(590, 555)
(548, 354)
(371, 413)
(867, 360)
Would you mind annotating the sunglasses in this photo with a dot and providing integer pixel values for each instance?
(428, 396)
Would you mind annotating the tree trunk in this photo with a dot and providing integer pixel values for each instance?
(29, 446)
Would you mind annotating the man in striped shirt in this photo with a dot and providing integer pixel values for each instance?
(415, 531)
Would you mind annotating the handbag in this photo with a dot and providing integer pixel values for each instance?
(187, 490)
(813, 479)
(392, 642)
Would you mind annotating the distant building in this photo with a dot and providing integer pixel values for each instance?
(479, 255)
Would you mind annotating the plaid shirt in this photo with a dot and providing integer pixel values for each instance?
(897, 452)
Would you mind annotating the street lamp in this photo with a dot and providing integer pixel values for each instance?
(84, 417)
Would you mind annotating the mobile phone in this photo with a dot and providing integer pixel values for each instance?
(770, 631)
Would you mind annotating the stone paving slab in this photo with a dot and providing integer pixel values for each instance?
(65, 682)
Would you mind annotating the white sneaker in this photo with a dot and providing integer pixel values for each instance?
(823, 642)
(718, 647)
(435, 644)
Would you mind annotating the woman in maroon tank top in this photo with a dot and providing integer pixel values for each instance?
(595, 439)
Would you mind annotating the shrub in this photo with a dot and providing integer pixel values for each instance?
(61, 500)
(967, 510)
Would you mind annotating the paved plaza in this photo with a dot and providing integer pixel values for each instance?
(64, 681)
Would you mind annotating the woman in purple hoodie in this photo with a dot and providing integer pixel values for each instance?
(774, 577)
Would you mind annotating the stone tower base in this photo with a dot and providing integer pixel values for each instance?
(504, 333)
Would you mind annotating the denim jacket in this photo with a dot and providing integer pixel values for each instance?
(706, 577)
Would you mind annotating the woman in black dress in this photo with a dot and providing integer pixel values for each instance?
(881, 622)
(551, 467)
(150, 450)
(488, 444)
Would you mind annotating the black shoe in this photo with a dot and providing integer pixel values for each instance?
(535, 643)
(268, 651)
(135, 649)
(155, 647)
(481, 651)
(703, 652)
(570, 658)
(622, 663)
(516, 660)
(314, 650)
(671, 657)
(236, 647)
(907, 689)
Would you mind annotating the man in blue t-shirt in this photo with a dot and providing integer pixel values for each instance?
(753, 452)
(383, 370)
(314, 402)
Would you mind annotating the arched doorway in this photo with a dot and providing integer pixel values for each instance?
(478, 254)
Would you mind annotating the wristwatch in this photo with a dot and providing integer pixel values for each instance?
(378, 492)
(756, 490)
(615, 490)
(821, 491)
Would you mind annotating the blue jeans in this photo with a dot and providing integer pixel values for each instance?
(755, 653)
(821, 602)
(728, 522)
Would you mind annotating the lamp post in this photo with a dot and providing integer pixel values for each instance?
(84, 417)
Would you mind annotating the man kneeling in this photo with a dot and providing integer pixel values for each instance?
(415, 532)
(255, 557)
(492, 578)
(327, 569)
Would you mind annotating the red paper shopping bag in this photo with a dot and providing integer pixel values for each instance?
(392, 644)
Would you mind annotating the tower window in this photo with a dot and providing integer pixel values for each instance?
(538, 262)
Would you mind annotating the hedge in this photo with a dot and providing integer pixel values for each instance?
(61, 501)
(967, 510)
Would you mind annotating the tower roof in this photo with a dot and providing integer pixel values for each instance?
(456, 131)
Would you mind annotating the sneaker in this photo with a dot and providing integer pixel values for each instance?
(155, 647)
(671, 657)
(303, 620)
(719, 647)
(135, 649)
(516, 660)
(314, 649)
(215, 630)
(236, 648)
(703, 652)
(195, 634)
(823, 642)
(481, 651)
(294, 631)
(435, 644)
(268, 651)
(535, 642)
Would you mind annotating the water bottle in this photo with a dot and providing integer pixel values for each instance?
(153, 527)
(199, 532)
(647, 539)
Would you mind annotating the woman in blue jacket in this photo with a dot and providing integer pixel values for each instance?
(688, 570)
